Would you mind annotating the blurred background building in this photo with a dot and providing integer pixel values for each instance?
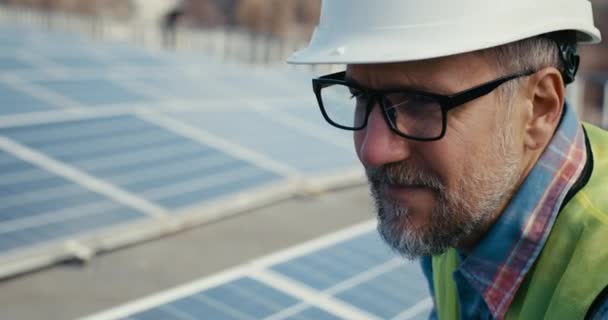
(250, 31)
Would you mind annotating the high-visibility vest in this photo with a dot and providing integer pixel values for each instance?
(572, 269)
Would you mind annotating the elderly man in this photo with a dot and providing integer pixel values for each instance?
(476, 163)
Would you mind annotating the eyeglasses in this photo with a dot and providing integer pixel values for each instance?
(412, 114)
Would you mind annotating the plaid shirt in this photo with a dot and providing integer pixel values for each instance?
(488, 277)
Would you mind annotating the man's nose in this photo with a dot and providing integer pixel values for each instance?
(377, 144)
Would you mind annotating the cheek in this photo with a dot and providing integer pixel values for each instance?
(447, 158)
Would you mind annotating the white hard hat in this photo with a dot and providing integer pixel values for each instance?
(365, 31)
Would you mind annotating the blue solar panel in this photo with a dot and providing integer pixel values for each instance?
(93, 92)
(367, 281)
(8, 63)
(399, 290)
(13, 101)
(251, 86)
(37, 206)
(144, 159)
(156, 168)
(183, 87)
(124, 53)
(339, 262)
(80, 61)
(313, 314)
(11, 36)
(241, 298)
(275, 140)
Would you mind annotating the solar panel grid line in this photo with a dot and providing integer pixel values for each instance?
(104, 142)
(21, 176)
(108, 71)
(303, 126)
(116, 161)
(388, 306)
(10, 52)
(352, 257)
(365, 276)
(142, 89)
(86, 128)
(206, 138)
(81, 178)
(40, 63)
(36, 205)
(288, 312)
(360, 245)
(386, 288)
(331, 261)
(52, 98)
(126, 169)
(306, 270)
(207, 182)
(259, 301)
(168, 170)
(57, 116)
(415, 310)
(227, 309)
(105, 93)
(180, 315)
(316, 244)
(215, 104)
(56, 216)
(310, 296)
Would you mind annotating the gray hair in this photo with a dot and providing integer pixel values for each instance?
(528, 54)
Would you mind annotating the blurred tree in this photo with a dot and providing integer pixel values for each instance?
(276, 17)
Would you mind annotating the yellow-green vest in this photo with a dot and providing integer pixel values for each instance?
(572, 269)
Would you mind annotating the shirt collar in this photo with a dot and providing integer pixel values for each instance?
(497, 266)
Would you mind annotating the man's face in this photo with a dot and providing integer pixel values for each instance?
(434, 195)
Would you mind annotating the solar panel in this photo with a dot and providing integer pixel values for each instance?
(12, 63)
(280, 141)
(143, 159)
(92, 92)
(145, 142)
(37, 206)
(346, 275)
(14, 101)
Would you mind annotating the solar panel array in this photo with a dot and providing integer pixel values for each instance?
(347, 275)
(104, 144)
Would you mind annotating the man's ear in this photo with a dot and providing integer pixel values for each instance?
(546, 94)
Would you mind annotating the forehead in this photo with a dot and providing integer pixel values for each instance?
(439, 74)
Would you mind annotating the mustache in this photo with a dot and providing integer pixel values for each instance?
(404, 174)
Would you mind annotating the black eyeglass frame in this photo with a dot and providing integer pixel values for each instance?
(446, 102)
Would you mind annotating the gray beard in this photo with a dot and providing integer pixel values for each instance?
(456, 215)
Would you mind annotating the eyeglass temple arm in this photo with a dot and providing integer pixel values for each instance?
(479, 91)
